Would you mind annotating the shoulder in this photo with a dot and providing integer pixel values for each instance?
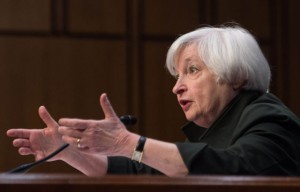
(267, 108)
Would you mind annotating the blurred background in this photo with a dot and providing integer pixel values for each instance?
(64, 53)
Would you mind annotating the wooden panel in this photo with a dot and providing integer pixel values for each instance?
(65, 75)
(29, 15)
(163, 116)
(93, 16)
(253, 15)
(21, 80)
(79, 70)
(293, 40)
(170, 17)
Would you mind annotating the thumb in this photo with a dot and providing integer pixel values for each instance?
(46, 117)
(106, 106)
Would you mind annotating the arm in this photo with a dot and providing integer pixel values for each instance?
(164, 157)
(89, 164)
(265, 149)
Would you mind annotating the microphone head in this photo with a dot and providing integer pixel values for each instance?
(128, 120)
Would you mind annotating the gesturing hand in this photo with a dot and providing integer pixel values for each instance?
(104, 136)
(38, 142)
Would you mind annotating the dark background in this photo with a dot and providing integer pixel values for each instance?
(64, 53)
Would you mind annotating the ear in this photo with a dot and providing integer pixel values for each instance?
(238, 85)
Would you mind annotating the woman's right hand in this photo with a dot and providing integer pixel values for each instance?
(38, 142)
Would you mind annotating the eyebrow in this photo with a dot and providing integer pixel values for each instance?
(188, 61)
(192, 59)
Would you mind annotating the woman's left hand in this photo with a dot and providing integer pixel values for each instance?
(106, 136)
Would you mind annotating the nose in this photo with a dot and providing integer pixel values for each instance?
(179, 87)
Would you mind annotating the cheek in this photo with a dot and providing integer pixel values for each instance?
(206, 96)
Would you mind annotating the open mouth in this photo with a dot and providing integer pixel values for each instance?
(185, 104)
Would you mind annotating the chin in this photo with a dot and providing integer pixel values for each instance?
(197, 120)
(190, 117)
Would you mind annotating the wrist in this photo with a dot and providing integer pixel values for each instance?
(138, 151)
(125, 147)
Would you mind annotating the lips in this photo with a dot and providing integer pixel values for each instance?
(185, 104)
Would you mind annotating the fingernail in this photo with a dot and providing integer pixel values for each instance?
(106, 98)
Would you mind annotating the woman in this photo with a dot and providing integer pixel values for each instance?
(234, 125)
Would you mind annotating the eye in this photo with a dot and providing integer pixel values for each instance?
(176, 76)
(192, 69)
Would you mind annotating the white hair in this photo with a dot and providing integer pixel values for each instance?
(231, 52)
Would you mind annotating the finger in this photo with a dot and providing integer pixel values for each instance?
(25, 151)
(107, 108)
(21, 143)
(79, 124)
(21, 133)
(66, 131)
(46, 117)
(76, 142)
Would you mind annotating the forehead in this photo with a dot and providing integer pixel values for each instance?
(187, 51)
(186, 54)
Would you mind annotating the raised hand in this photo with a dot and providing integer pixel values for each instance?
(106, 136)
(38, 142)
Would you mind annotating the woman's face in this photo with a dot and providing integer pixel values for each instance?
(198, 91)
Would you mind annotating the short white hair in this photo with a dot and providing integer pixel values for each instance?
(231, 52)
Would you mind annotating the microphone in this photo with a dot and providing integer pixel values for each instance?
(127, 120)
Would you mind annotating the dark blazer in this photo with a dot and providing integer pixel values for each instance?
(255, 135)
